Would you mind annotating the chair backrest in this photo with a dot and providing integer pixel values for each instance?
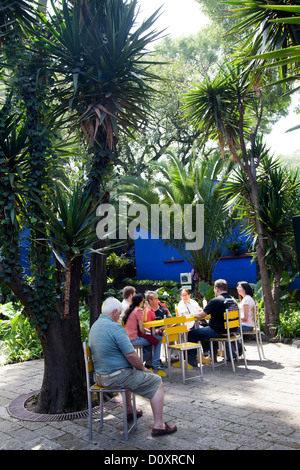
(231, 320)
(176, 329)
(89, 366)
(174, 333)
(174, 320)
(256, 318)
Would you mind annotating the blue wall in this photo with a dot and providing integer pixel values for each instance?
(151, 257)
(155, 261)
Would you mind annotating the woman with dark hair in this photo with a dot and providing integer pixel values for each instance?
(133, 324)
(247, 305)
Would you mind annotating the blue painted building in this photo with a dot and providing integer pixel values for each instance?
(157, 261)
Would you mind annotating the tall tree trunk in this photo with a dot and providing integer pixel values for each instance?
(269, 304)
(98, 274)
(98, 282)
(249, 167)
(63, 388)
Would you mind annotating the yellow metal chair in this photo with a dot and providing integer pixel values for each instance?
(173, 322)
(233, 334)
(89, 368)
(178, 333)
(257, 332)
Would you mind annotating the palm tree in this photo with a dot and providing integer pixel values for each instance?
(199, 182)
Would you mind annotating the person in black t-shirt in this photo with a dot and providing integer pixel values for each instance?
(216, 309)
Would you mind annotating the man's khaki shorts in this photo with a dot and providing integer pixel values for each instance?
(142, 383)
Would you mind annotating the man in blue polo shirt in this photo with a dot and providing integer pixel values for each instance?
(117, 365)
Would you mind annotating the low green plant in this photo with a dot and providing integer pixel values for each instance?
(234, 246)
(118, 266)
(113, 292)
(18, 339)
(133, 282)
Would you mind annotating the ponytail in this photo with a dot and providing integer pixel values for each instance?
(135, 302)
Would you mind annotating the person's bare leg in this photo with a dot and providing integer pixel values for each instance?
(157, 405)
(128, 402)
(129, 407)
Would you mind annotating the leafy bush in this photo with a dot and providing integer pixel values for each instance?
(20, 340)
(289, 326)
(84, 317)
(169, 297)
(119, 266)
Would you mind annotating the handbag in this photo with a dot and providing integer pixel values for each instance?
(150, 338)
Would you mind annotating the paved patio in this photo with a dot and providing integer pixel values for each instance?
(254, 409)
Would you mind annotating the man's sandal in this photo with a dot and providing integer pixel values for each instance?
(168, 429)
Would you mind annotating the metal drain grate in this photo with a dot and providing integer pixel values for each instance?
(17, 409)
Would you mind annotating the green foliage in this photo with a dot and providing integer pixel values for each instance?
(134, 282)
(20, 340)
(84, 318)
(175, 185)
(234, 246)
(289, 326)
(169, 297)
(206, 290)
(276, 44)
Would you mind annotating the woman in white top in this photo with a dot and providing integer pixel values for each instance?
(247, 305)
(187, 306)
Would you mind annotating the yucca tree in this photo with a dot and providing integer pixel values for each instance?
(279, 192)
(69, 220)
(243, 145)
(102, 66)
(79, 62)
(101, 61)
(199, 182)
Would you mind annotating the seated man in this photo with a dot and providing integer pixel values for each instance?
(155, 309)
(127, 293)
(216, 309)
(117, 365)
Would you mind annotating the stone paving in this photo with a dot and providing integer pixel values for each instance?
(254, 409)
